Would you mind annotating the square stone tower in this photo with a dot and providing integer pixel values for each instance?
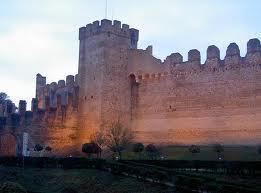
(105, 88)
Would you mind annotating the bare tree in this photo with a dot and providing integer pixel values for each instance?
(117, 137)
(99, 138)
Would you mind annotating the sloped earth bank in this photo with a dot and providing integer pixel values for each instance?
(83, 180)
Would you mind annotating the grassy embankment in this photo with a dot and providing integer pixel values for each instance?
(82, 180)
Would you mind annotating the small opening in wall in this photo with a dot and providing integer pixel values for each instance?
(91, 97)
(170, 106)
(85, 98)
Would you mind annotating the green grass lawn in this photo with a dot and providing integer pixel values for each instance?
(83, 180)
(231, 153)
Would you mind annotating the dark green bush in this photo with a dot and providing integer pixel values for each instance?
(91, 148)
(138, 147)
(194, 149)
(48, 148)
(38, 147)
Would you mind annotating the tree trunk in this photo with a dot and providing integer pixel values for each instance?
(119, 152)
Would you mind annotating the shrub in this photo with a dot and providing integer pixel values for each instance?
(151, 150)
(138, 147)
(48, 148)
(11, 187)
(38, 147)
(91, 148)
(194, 149)
(218, 148)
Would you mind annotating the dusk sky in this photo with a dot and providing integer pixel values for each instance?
(42, 36)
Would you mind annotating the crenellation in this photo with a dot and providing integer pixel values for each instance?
(253, 56)
(95, 26)
(106, 25)
(9, 108)
(61, 83)
(194, 56)
(175, 58)
(213, 62)
(125, 28)
(82, 33)
(193, 67)
(117, 24)
(134, 35)
(213, 52)
(40, 80)
(232, 58)
(253, 46)
(232, 50)
(22, 107)
(69, 80)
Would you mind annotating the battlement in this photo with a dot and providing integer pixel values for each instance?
(53, 95)
(253, 48)
(174, 63)
(109, 27)
(232, 57)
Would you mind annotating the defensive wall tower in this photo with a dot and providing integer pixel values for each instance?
(103, 77)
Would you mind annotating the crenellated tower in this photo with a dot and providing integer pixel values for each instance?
(103, 75)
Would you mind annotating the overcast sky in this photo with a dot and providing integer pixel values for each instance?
(41, 36)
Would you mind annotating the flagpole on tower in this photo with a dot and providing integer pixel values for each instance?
(106, 9)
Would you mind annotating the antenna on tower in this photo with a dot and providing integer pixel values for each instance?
(106, 9)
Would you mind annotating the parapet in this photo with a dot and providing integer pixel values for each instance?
(108, 26)
(194, 55)
(253, 46)
(232, 59)
(61, 83)
(213, 52)
(53, 86)
(40, 80)
(69, 80)
(22, 107)
(175, 58)
(233, 50)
